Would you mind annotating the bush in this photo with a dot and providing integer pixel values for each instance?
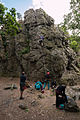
(25, 50)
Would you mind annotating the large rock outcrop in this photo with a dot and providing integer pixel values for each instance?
(42, 46)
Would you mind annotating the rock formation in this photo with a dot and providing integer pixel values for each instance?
(39, 47)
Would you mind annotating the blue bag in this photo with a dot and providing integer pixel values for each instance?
(61, 106)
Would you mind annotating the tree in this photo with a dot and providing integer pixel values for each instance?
(8, 21)
(72, 20)
(11, 25)
(72, 23)
(19, 16)
(8, 24)
(2, 13)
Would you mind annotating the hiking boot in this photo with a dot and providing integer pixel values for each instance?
(21, 98)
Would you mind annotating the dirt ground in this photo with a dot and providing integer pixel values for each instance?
(38, 106)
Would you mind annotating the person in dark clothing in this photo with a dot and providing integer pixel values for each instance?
(47, 79)
(41, 41)
(22, 84)
(61, 97)
(53, 84)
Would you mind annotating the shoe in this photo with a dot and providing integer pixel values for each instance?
(42, 91)
(21, 98)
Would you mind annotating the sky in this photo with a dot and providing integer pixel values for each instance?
(54, 8)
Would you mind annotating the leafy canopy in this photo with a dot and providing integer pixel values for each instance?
(2, 13)
(19, 16)
(8, 21)
(72, 23)
(72, 20)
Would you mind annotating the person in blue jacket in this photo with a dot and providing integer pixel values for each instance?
(38, 85)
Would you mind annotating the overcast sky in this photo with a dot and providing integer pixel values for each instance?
(54, 8)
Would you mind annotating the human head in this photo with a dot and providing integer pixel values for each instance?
(23, 73)
(48, 73)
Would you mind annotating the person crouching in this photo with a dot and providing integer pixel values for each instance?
(61, 97)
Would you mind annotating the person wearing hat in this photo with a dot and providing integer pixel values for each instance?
(22, 84)
(47, 78)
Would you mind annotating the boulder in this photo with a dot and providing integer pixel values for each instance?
(38, 47)
(71, 106)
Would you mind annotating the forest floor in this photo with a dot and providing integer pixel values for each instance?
(38, 106)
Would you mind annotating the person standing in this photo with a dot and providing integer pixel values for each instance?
(53, 84)
(22, 84)
(47, 79)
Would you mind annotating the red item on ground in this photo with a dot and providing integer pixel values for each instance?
(42, 91)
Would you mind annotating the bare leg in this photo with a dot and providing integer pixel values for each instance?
(21, 96)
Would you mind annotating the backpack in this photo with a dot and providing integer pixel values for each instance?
(61, 106)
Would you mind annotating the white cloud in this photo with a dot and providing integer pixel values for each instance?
(54, 8)
(1, 2)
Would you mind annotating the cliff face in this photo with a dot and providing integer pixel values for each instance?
(41, 46)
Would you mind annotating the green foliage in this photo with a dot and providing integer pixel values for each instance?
(75, 42)
(72, 20)
(63, 28)
(72, 23)
(11, 25)
(25, 50)
(13, 12)
(19, 16)
(79, 65)
(6, 54)
(8, 21)
(2, 13)
(74, 45)
(27, 41)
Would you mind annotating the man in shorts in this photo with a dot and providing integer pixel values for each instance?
(22, 84)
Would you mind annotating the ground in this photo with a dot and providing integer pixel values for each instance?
(39, 106)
